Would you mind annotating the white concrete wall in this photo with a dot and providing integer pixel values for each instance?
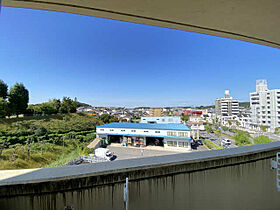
(150, 132)
(163, 120)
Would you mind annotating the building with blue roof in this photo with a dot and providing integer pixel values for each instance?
(146, 134)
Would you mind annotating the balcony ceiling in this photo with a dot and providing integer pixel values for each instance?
(247, 20)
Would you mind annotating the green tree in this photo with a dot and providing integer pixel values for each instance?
(49, 107)
(57, 104)
(105, 118)
(18, 99)
(68, 105)
(225, 128)
(113, 119)
(218, 132)
(4, 108)
(185, 117)
(242, 138)
(208, 128)
(3, 89)
(263, 128)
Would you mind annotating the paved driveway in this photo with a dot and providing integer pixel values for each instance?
(131, 152)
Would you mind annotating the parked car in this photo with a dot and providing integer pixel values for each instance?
(225, 142)
(199, 142)
(211, 131)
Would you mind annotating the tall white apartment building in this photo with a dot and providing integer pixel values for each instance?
(226, 106)
(265, 106)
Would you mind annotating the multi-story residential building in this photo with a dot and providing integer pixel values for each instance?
(265, 106)
(226, 106)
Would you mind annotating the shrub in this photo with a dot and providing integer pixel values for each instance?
(262, 140)
(242, 138)
(87, 151)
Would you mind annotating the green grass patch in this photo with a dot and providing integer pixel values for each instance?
(49, 156)
(211, 145)
(262, 140)
(65, 158)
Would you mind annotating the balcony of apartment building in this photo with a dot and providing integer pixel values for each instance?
(254, 94)
(255, 98)
(224, 104)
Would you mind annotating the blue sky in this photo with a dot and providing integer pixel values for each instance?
(113, 63)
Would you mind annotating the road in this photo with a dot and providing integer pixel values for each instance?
(216, 139)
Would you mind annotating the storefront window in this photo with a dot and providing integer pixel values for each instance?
(172, 143)
(185, 134)
(181, 144)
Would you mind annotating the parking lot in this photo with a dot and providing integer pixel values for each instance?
(134, 152)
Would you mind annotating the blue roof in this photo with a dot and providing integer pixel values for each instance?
(141, 135)
(157, 126)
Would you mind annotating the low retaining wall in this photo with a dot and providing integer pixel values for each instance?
(55, 187)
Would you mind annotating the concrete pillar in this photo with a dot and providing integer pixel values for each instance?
(145, 141)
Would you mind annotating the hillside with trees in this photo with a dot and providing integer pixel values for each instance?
(46, 134)
(33, 143)
(54, 106)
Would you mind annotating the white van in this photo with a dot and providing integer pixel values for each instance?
(104, 153)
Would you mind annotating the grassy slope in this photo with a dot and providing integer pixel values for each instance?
(210, 144)
(54, 156)
(11, 120)
(65, 158)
